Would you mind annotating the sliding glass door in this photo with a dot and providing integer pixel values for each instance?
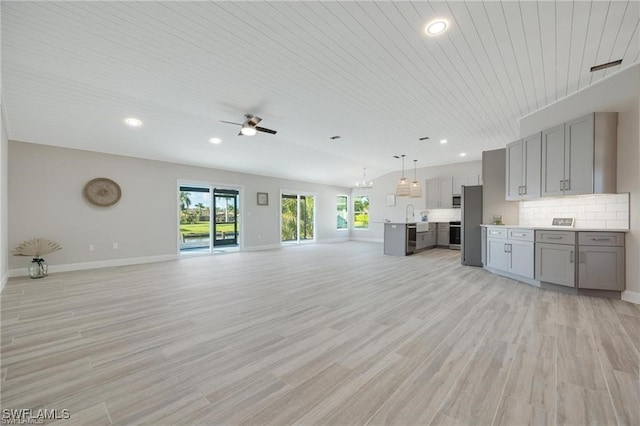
(225, 226)
(297, 217)
(209, 219)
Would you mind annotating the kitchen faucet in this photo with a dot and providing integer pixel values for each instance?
(406, 212)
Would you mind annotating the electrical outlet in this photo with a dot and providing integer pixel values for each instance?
(91, 247)
(115, 246)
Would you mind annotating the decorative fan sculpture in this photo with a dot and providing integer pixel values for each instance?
(36, 247)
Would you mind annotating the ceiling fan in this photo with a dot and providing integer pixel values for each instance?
(250, 126)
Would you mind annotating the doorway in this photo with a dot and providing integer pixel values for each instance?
(225, 225)
(208, 219)
(297, 218)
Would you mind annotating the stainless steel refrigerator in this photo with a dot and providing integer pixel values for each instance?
(471, 218)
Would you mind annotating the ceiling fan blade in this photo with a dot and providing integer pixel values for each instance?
(231, 122)
(265, 130)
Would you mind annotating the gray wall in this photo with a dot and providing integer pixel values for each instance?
(4, 205)
(620, 93)
(386, 184)
(493, 192)
(45, 194)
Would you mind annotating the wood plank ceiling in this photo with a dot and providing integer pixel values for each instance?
(72, 71)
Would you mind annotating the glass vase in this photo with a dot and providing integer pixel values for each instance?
(38, 268)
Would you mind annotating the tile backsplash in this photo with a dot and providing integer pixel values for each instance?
(443, 215)
(606, 211)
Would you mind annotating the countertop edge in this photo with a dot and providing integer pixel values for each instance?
(556, 228)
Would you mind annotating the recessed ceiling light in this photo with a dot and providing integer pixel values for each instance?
(463, 154)
(436, 27)
(215, 141)
(443, 141)
(133, 122)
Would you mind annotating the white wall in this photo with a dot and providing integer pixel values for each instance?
(4, 205)
(45, 195)
(384, 185)
(493, 192)
(620, 93)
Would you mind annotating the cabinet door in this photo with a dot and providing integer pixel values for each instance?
(555, 263)
(431, 238)
(514, 170)
(497, 256)
(443, 237)
(601, 268)
(521, 262)
(446, 193)
(433, 193)
(579, 151)
(532, 162)
(457, 185)
(553, 161)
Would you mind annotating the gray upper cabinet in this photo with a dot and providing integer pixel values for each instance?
(459, 182)
(439, 193)
(523, 169)
(579, 157)
(553, 162)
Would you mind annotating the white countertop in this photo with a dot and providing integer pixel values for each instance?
(557, 228)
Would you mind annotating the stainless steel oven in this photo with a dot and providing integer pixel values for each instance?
(455, 232)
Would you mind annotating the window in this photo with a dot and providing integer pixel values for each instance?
(342, 203)
(297, 218)
(361, 212)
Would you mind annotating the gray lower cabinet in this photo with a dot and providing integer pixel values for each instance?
(521, 258)
(442, 238)
(510, 250)
(601, 261)
(497, 255)
(422, 240)
(555, 263)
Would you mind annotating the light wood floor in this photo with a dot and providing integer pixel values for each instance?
(319, 334)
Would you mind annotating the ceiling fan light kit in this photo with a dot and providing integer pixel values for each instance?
(250, 126)
(416, 188)
(403, 188)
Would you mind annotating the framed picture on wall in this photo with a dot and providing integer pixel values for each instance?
(263, 198)
(391, 200)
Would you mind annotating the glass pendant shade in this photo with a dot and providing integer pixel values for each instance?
(403, 187)
(416, 188)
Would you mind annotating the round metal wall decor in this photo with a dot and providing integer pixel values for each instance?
(102, 192)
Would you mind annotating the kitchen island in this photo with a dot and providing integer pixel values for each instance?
(405, 238)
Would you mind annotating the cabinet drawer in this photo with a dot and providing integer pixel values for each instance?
(496, 233)
(556, 237)
(612, 239)
(521, 234)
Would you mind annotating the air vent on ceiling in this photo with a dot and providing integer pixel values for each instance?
(333, 138)
(424, 138)
(607, 65)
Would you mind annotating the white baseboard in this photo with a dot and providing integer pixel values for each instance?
(631, 296)
(368, 240)
(22, 272)
(5, 278)
(265, 247)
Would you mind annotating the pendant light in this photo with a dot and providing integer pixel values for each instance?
(403, 186)
(416, 187)
(364, 183)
